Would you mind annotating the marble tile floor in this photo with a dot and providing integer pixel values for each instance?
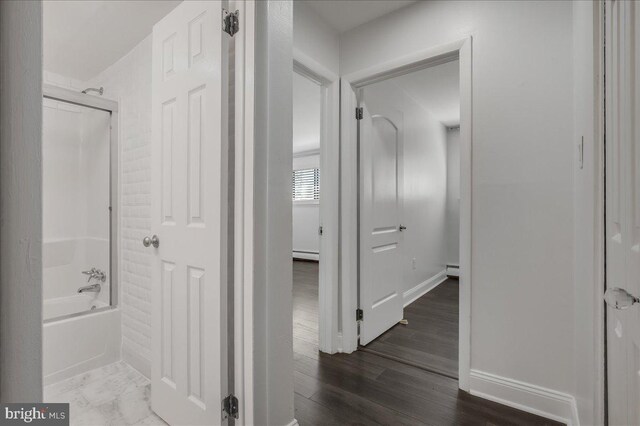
(115, 394)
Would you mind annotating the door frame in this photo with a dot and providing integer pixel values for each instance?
(244, 387)
(460, 49)
(329, 84)
(602, 12)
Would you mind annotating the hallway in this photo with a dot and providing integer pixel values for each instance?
(363, 388)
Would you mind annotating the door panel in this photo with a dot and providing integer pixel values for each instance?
(189, 364)
(623, 208)
(380, 274)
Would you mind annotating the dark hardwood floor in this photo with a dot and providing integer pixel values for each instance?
(366, 389)
(430, 340)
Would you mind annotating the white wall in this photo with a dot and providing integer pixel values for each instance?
(21, 201)
(314, 38)
(522, 210)
(128, 81)
(307, 100)
(453, 196)
(306, 216)
(423, 177)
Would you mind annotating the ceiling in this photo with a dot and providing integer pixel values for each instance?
(83, 38)
(306, 114)
(344, 15)
(436, 89)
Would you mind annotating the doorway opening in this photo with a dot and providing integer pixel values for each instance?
(357, 386)
(135, 169)
(409, 215)
(306, 198)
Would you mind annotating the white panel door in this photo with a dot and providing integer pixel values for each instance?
(380, 286)
(189, 178)
(623, 210)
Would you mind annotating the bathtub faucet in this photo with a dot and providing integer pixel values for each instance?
(96, 273)
(93, 288)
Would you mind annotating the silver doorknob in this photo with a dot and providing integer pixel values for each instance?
(619, 298)
(402, 227)
(153, 241)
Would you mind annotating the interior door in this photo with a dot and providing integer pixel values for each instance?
(380, 291)
(623, 211)
(189, 179)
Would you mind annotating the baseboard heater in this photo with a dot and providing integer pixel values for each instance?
(453, 270)
(306, 255)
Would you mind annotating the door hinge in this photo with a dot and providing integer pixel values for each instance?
(320, 230)
(230, 22)
(359, 315)
(359, 113)
(230, 407)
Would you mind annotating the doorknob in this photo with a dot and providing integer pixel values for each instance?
(153, 241)
(619, 298)
(402, 228)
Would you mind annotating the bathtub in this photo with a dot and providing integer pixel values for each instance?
(76, 338)
(69, 306)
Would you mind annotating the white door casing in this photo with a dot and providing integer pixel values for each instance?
(623, 207)
(380, 240)
(189, 184)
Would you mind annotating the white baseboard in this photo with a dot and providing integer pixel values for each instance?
(423, 288)
(533, 399)
(306, 255)
(453, 271)
(293, 423)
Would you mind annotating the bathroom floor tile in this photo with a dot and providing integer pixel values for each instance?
(115, 394)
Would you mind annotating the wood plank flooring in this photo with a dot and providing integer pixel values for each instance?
(366, 389)
(430, 340)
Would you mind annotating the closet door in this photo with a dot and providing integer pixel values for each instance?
(189, 184)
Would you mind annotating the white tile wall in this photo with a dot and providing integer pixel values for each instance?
(128, 81)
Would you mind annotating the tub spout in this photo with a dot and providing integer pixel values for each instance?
(95, 288)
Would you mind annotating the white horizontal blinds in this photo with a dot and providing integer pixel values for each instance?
(306, 185)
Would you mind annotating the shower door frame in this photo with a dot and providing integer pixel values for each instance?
(76, 98)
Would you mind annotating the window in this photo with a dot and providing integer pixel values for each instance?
(306, 185)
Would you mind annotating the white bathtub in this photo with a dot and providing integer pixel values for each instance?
(63, 262)
(82, 340)
(66, 306)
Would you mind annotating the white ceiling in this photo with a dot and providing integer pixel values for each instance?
(344, 15)
(436, 89)
(306, 114)
(83, 38)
